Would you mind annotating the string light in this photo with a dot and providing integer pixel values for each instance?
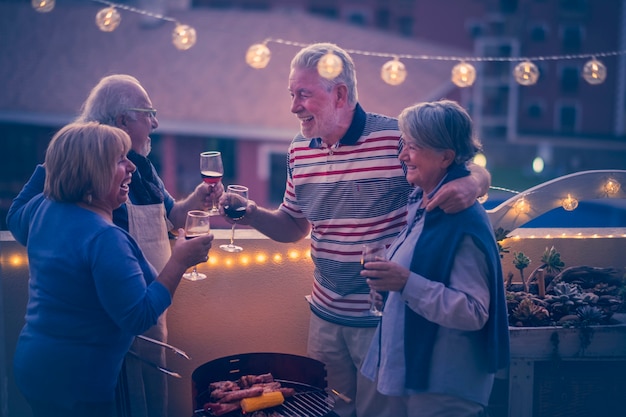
(463, 74)
(108, 19)
(480, 159)
(43, 6)
(183, 37)
(393, 72)
(569, 203)
(258, 56)
(521, 206)
(611, 187)
(594, 72)
(526, 73)
(329, 66)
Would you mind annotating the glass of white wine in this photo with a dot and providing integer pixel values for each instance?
(373, 252)
(235, 208)
(197, 224)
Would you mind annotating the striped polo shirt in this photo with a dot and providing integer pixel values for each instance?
(352, 193)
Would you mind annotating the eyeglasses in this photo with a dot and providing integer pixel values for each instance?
(151, 112)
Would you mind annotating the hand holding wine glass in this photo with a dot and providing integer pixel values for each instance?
(197, 224)
(235, 204)
(212, 171)
(373, 252)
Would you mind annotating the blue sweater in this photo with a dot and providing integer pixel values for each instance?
(90, 291)
(433, 258)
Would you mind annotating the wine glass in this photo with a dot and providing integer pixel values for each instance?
(235, 208)
(197, 224)
(212, 171)
(373, 252)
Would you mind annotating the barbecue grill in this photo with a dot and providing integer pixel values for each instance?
(307, 376)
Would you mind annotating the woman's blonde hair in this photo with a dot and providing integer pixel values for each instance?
(81, 160)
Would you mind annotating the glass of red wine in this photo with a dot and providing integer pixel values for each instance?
(235, 207)
(373, 252)
(212, 171)
(197, 224)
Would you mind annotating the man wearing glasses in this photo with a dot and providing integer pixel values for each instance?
(119, 100)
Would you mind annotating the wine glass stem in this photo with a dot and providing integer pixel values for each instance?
(232, 236)
(214, 203)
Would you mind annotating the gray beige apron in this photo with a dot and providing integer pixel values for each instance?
(147, 386)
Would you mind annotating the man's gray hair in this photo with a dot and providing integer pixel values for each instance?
(309, 56)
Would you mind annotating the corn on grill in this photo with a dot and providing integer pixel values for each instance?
(307, 376)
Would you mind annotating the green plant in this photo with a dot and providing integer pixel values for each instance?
(521, 262)
(577, 297)
(551, 265)
(565, 300)
(551, 261)
(527, 313)
(500, 235)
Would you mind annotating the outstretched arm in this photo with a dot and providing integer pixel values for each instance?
(276, 224)
(460, 194)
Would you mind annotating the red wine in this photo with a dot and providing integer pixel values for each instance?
(195, 232)
(235, 213)
(211, 177)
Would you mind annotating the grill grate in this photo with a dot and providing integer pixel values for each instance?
(307, 402)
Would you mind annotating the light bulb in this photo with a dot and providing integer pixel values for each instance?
(538, 165)
(463, 74)
(184, 37)
(611, 186)
(526, 73)
(594, 72)
(43, 6)
(329, 66)
(569, 203)
(480, 159)
(393, 72)
(521, 206)
(108, 19)
(258, 56)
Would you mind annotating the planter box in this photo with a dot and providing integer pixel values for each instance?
(569, 372)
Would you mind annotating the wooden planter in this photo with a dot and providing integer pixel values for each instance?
(569, 372)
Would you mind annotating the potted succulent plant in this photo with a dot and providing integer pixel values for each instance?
(570, 297)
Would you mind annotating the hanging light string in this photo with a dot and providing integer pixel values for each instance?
(460, 58)
(393, 72)
(138, 11)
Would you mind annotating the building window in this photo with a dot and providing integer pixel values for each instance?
(278, 177)
(572, 38)
(567, 115)
(570, 79)
(508, 6)
(329, 12)
(538, 33)
(255, 5)
(357, 18)
(405, 25)
(383, 18)
(573, 5)
(475, 29)
(535, 111)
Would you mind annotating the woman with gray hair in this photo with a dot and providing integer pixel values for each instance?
(444, 330)
(91, 289)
